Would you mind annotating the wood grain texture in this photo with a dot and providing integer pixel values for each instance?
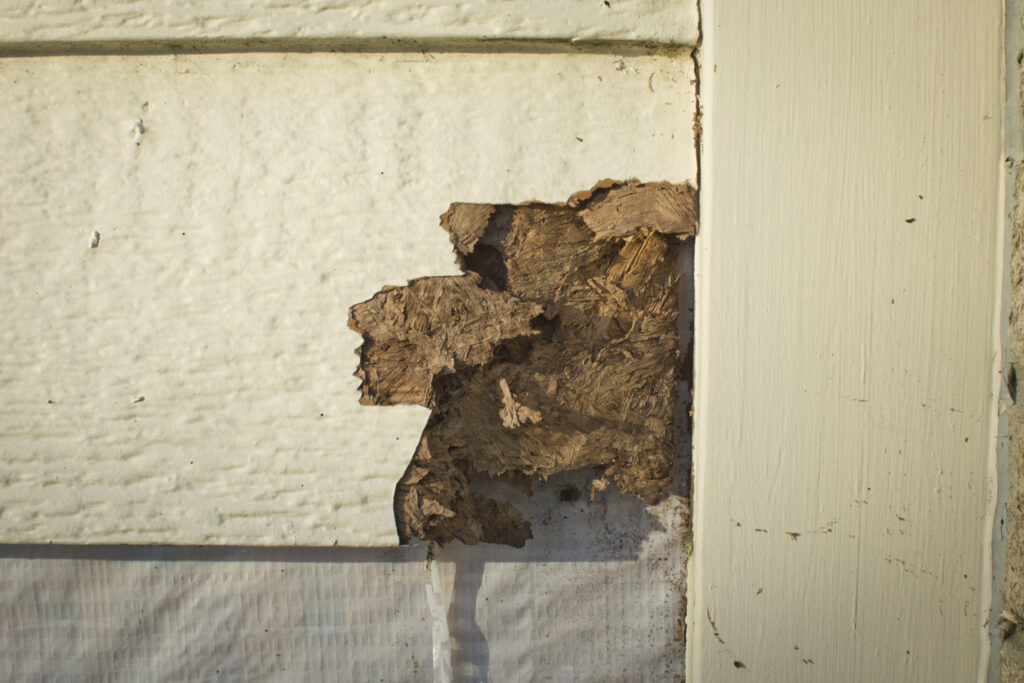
(430, 328)
(120, 21)
(847, 341)
(244, 203)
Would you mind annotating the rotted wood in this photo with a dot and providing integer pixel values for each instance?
(556, 350)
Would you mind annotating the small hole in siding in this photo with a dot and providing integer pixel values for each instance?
(569, 494)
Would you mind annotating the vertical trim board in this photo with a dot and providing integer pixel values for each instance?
(847, 274)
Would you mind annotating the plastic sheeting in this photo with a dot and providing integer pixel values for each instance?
(597, 596)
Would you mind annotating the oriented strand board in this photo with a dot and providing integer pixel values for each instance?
(181, 239)
(70, 24)
(847, 341)
(557, 350)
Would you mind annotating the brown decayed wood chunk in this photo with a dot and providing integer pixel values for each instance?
(558, 350)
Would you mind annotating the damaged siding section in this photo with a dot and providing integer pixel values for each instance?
(556, 350)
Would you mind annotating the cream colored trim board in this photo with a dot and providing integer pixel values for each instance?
(120, 21)
(847, 341)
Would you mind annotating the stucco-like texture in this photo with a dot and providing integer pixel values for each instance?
(67, 22)
(849, 278)
(1011, 515)
(182, 238)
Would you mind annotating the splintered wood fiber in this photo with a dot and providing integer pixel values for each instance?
(556, 350)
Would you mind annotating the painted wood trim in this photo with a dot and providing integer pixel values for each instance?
(849, 273)
(26, 22)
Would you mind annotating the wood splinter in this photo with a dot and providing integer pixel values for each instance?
(556, 350)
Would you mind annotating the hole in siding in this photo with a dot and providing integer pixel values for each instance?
(557, 350)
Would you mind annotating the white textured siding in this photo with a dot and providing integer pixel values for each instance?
(69, 21)
(243, 203)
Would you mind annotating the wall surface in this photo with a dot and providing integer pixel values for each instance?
(847, 334)
(183, 237)
(302, 182)
(1010, 510)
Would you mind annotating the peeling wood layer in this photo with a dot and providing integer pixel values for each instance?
(556, 350)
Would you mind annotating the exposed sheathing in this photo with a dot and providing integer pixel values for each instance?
(1013, 577)
(1012, 512)
(556, 350)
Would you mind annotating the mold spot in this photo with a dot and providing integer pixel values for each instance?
(569, 494)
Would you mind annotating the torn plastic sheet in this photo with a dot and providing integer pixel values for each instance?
(597, 595)
(441, 639)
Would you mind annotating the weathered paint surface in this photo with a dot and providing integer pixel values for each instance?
(848, 272)
(649, 21)
(242, 204)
